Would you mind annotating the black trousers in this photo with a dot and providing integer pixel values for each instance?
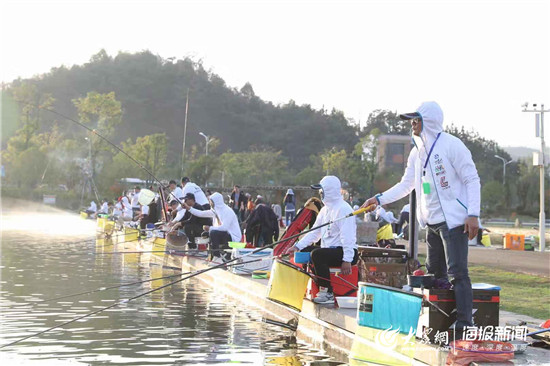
(192, 230)
(323, 259)
(219, 240)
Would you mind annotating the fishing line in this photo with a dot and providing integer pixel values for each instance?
(101, 137)
(196, 273)
(125, 301)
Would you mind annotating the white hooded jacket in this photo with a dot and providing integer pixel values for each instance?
(454, 191)
(340, 234)
(224, 217)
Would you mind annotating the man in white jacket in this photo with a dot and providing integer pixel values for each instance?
(338, 240)
(441, 171)
(225, 228)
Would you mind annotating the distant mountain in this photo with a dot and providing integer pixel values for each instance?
(520, 152)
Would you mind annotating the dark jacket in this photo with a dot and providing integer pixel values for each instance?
(264, 217)
(242, 200)
(188, 218)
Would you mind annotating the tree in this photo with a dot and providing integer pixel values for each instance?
(31, 101)
(103, 113)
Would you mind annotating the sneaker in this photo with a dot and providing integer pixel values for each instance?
(324, 297)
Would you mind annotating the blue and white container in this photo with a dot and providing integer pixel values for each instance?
(266, 256)
(384, 307)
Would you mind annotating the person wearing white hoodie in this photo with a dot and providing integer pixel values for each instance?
(441, 171)
(338, 240)
(225, 227)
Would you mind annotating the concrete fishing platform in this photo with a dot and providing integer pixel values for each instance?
(328, 327)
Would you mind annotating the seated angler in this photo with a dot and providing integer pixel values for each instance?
(338, 244)
(92, 209)
(225, 227)
(143, 218)
(193, 225)
(104, 207)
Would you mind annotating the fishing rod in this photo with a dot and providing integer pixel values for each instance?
(93, 131)
(122, 302)
(101, 289)
(191, 275)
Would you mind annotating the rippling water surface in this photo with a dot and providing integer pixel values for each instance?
(50, 254)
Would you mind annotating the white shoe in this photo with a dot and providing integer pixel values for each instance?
(324, 297)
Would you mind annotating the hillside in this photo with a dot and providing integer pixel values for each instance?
(153, 91)
(520, 152)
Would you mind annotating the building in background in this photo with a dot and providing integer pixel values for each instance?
(392, 152)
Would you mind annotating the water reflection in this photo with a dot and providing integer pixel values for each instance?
(186, 323)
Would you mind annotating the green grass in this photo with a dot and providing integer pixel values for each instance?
(520, 293)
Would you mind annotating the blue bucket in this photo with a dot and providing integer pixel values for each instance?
(301, 257)
(384, 307)
(150, 226)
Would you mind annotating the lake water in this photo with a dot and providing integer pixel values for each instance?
(46, 254)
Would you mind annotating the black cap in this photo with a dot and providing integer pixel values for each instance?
(316, 186)
(173, 202)
(185, 179)
(408, 116)
(189, 196)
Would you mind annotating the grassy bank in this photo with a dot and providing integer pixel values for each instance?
(520, 293)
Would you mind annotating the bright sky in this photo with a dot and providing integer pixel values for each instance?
(481, 60)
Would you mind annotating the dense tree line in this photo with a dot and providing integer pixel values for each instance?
(138, 102)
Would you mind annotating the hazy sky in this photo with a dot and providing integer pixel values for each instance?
(479, 59)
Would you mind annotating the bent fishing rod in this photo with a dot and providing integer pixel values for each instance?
(194, 274)
(93, 131)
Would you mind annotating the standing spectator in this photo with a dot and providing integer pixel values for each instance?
(441, 171)
(279, 213)
(196, 191)
(176, 192)
(262, 226)
(249, 206)
(289, 203)
(238, 202)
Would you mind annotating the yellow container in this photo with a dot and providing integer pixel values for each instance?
(131, 234)
(287, 284)
(83, 215)
(101, 223)
(486, 240)
(384, 233)
(159, 244)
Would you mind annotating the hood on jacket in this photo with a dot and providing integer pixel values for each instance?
(432, 122)
(332, 189)
(290, 191)
(217, 200)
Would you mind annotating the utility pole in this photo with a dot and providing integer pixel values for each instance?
(504, 163)
(184, 133)
(539, 119)
(207, 141)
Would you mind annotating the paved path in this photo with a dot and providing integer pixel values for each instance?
(536, 263)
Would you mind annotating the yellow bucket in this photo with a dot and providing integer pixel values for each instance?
(159, 244)
(486, 240)
(101, 222)
(287, 284)
(131, 234)
(83, 215)
(384, 233)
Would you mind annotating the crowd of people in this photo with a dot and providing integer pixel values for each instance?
(442, 175)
